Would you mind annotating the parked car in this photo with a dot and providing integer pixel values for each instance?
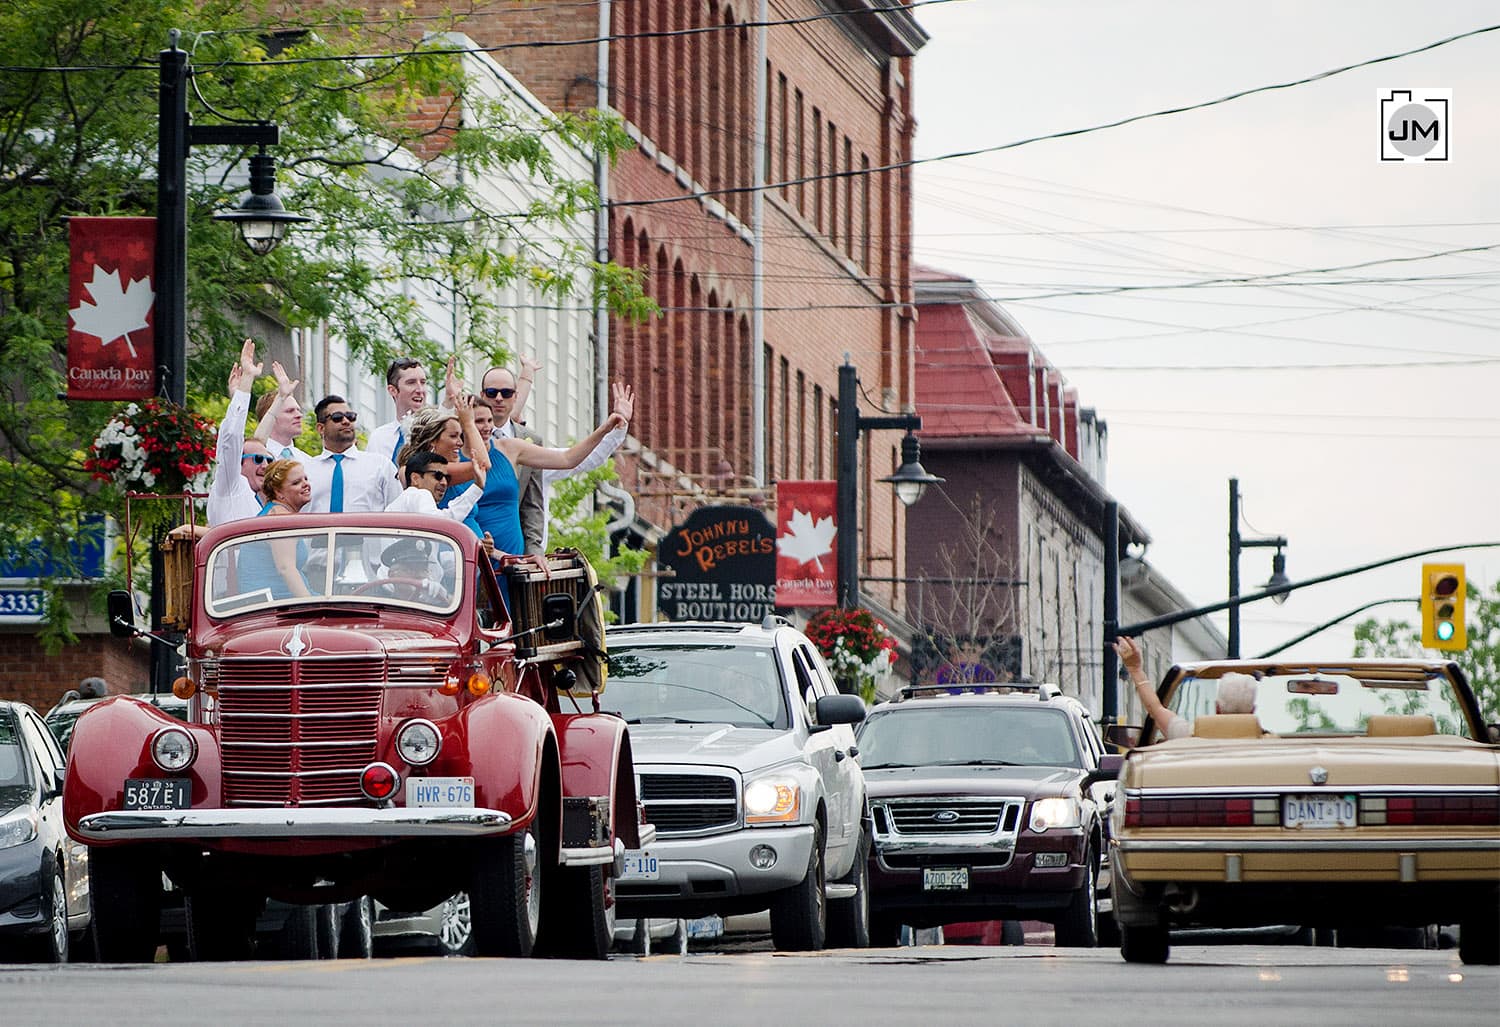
(1360, 793)
(61, 718)
(447, 927)
(988, 803)
(44, 879)
(742, 745)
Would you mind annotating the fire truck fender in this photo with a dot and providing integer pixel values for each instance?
(112, 742)
(510, 748)
(596, 760)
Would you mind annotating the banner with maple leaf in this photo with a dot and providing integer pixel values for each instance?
(111, 355)
(806, 524)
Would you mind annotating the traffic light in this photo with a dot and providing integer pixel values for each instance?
(1443, 606)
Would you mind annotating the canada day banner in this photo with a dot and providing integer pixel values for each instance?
(111, 302)
(806, 561)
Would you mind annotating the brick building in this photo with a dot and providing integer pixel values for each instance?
(771, 245)
(1011, 555)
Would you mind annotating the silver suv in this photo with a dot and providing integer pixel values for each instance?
(744, 750)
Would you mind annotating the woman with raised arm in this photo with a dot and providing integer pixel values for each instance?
(276, 566)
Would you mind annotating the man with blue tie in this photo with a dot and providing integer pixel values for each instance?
(286, 417)
(406, 381)
(344, 478)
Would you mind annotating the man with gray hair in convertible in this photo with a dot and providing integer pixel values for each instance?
(1236, 693)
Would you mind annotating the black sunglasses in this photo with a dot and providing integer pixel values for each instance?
(439, 475)
(340, 416)
(259, 458)
(502, 393)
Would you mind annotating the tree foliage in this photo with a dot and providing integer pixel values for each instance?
(573, 524)
(389, 180)
(1480, 661)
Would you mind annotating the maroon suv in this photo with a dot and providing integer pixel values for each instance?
(988, 803)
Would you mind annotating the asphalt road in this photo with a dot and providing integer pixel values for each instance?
(925, 986)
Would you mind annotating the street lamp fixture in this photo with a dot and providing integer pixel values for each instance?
(260, 217)
(911, 478)
(1237, 543)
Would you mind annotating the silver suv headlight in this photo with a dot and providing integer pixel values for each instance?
(774, 799)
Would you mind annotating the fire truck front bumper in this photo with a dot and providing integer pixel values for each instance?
(184, 824)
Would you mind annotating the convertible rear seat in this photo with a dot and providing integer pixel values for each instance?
(1392, 725)
(1227, 725)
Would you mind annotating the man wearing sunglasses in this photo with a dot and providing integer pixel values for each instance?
(406, 381)
(498, 388)
(241, 463)
(346, 479)
(426, 482)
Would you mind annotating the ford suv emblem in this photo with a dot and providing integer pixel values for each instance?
(945, 816)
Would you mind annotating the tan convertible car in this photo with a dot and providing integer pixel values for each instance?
(1359, 792)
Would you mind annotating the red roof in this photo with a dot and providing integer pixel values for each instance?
(969, 379)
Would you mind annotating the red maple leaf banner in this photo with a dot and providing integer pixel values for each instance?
(806, 526)
(111, 303)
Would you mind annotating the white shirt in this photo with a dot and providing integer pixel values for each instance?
(279, 451)
(230, 497)
(382, 440)
(602, 452)
(418, 500)
(369, 481)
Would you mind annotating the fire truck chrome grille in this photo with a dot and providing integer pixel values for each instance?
(298, 732)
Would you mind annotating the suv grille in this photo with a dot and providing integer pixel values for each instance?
(950, 817)
(298, 732)
(933, 831)
(691, 803)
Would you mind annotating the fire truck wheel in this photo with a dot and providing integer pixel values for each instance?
(220, 925)
(576, 925)
(505, 893)
(356, 929)
(126, 894)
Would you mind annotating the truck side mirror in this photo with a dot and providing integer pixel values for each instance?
(1108, 770)
(840, 709)
(120, 609)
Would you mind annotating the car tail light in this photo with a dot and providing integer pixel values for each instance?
(1199, 811)
(1431, 810)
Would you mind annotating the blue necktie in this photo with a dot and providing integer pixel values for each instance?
(336, 496)
(400, 441)
(286, 453)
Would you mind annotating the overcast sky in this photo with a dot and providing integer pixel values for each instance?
(1360, 416)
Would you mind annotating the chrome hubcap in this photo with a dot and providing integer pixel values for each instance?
(458, 922)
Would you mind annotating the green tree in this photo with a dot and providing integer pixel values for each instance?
(1480, 661)
(392, 191)
(573, 525)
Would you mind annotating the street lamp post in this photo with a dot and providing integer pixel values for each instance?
(262, 222)
(910, 480)
(1237, 543)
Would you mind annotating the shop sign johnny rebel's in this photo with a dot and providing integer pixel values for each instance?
(723, 561)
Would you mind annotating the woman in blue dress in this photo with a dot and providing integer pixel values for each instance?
(276, 566)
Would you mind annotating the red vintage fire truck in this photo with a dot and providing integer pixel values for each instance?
(373, 711)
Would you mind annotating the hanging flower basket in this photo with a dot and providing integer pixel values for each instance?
(858, 647)
(154, 447)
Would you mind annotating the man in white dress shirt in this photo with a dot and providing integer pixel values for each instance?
(344, 478)
(406, 381)
(234, 492)
(286, 417)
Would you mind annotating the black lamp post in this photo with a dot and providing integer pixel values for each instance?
(262, 222)
(910, 480)
(1236, 543)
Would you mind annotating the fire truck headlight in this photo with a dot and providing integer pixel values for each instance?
(173, 748)
(419, 742)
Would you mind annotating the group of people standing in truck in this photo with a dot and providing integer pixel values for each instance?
(471, 458)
